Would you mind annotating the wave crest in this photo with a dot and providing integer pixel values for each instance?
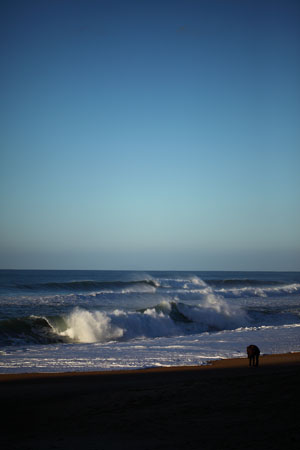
(168, 318)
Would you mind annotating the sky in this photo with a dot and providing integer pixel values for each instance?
(144, 134)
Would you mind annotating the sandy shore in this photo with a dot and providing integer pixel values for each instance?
(225, 405)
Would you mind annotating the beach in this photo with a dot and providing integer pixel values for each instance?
(225, 404)
(84, 321)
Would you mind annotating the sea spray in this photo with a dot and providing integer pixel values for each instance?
(168, 318)
(213, 312)
(89, 327)
(95, 320)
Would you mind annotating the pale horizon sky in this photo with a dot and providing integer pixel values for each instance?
(150, 135)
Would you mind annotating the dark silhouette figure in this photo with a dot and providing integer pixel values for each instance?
(253, 355)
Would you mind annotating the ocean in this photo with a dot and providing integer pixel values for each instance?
(62, 321)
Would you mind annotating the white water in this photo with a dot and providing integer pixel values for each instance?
(185, 323)
(143, 353)
(212, 313)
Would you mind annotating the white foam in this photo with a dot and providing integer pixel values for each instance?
(263, 292)
(124, 339)
(173, 351)
(213, 312)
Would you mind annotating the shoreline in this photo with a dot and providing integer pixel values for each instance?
(225, 404)
(265, 360)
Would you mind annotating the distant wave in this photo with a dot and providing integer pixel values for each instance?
(185, 288)
(184, 283)
(85, 285)
(256, 291)
(228, 288)
(244, 282)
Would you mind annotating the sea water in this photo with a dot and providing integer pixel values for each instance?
(62, 321)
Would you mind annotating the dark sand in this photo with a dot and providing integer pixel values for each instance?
(226, 405)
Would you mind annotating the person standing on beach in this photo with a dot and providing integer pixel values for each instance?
(253, 354)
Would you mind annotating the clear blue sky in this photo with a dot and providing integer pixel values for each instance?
(150, 134)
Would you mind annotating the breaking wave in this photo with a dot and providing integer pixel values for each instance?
(168, 318)
(178, 306)
(32, 329)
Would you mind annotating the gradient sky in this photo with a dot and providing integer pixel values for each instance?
(150, 134)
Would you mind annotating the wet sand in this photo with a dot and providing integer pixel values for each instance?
(225, 405)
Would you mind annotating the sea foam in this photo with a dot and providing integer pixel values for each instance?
(168, 318)
(93, 320)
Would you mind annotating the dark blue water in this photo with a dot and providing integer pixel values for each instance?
(52, 281)
(94, 320)
(47, 306)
